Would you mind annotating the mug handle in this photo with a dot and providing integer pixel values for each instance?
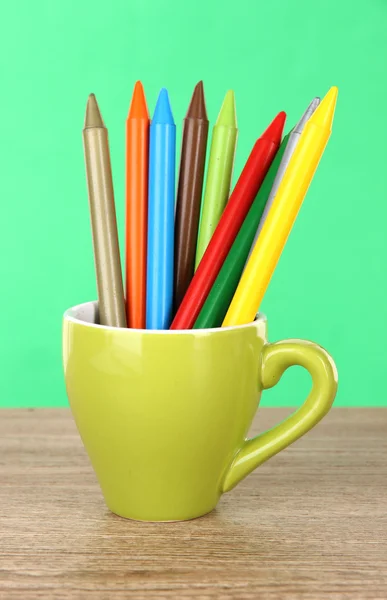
(276, 358)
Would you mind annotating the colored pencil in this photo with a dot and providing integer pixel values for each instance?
(137, 148)
(189, 191)
(290, 147)
(110, 290)
(236, 210)
(218, 300)
(161, 209)
(219, 173)
(283, 212)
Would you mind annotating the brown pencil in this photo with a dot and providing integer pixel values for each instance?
(193, 156)
(103, 218)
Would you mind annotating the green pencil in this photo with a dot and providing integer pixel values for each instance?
(222, 292)
(220, 168)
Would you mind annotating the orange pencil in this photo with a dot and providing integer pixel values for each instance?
(137, 142)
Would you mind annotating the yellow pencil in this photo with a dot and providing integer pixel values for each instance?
(282, 214)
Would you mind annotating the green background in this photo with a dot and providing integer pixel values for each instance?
(330, 284)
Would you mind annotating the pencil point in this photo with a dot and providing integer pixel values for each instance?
(227, 113)
(163, 111)
(138, 108)
(197, 106)
(93, 116)
(323, 115)
(306, 116)
(275, 130)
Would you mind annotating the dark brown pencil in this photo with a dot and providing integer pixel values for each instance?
(189, 192)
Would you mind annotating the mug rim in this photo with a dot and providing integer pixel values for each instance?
(69, 315)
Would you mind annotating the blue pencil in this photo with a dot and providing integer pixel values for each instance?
(161, 209)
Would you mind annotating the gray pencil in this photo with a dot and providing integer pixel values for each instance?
(103, 218)
(290, 147)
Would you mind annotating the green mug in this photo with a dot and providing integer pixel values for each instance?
(164, 415)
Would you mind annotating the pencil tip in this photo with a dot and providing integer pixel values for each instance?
(314, 104)
(227, 113)
(93, 116)
(275, 130)
(138, 107)
(163, 111)
(197, 106)
(323, 115)
(306, 116)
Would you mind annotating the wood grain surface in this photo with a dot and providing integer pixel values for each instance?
(310, 523)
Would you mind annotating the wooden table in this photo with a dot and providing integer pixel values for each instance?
(309, 524)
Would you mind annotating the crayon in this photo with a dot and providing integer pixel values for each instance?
(220, 296)
(291, 146)
(189, 191)
(231, 220)
(219, 173)
(283, 212)
(161, 213)
(137, 148)
(110, 289)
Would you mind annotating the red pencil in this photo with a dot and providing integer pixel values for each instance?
(232, 218)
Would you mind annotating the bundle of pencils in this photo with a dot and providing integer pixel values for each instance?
(206, 259)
